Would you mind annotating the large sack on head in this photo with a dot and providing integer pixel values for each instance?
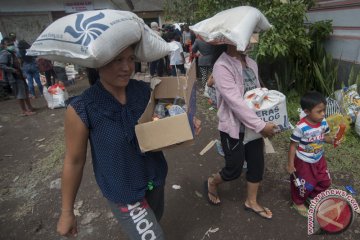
(233, 26)
(151, 47)
(94, 38)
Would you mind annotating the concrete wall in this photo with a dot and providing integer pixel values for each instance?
(54, 5)
(26, 25)
(344, 43)
(345, 40)
(27, 18)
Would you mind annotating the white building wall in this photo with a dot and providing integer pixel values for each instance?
(27, 18)
(344, 42)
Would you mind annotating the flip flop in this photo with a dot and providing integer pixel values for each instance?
(265, 210)
(207, 192)
(301, 212)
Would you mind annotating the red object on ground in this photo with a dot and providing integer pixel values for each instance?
(340, 134)
(52, 89)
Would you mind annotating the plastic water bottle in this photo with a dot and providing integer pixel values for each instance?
(159, 111)
(175, 110)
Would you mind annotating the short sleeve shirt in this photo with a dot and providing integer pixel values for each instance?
(249, 84)
(121, 170)
(311, 140)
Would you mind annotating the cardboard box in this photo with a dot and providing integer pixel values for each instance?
(156, 135)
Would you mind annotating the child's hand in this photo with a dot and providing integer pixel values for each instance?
(290, 168)
(338, 142)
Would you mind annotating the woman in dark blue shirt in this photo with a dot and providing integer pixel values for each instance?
(132, 182)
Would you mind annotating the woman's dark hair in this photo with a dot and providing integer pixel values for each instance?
(171, 36)
(23, 44)
(218, 50)
(310, 99)
(93, 75)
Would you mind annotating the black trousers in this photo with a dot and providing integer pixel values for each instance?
(155, 199)
(235, 155)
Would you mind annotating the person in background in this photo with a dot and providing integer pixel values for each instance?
(30, 69)
(60, 72)
(45, 66)
(205, 59)
(137, 67)
(157, 66)
(177, 58)
(306, 158)
(234, 74)
(186, 38)
(10, 65)
(132, 181)
(13, 38)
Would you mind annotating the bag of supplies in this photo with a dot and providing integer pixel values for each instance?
(93, 38)
(270, 106)
(233, 26)
(55, 96)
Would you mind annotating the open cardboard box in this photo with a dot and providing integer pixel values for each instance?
(156, 135)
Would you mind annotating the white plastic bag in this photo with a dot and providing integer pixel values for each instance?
(270, 106)
(56, 100)
(233, 26)
(357, 124)
(94, 38)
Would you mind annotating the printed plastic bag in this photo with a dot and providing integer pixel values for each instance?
(335, 120)
(270, 106)
(233, 26)
(332, 107)
(351, 101)
(94, 38)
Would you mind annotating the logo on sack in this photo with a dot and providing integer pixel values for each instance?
(86, 30)
(331, 211)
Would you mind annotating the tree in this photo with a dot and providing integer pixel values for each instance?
(180, 10)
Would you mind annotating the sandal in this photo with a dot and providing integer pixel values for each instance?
(259, 213)
(302, 212)
(207, 192)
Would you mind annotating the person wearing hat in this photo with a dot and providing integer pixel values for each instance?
(234, 74)
(12, 37)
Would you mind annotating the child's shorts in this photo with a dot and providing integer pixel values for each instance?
(314, 178)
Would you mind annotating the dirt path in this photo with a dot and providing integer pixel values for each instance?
(31, 153)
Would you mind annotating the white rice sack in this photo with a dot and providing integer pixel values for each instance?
(233, 26)
(270, 106)
(152, 47)
(94, 38)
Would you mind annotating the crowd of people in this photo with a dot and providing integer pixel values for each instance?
(133, 182)
(19, 71)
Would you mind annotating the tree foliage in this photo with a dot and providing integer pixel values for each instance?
(291, 52)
